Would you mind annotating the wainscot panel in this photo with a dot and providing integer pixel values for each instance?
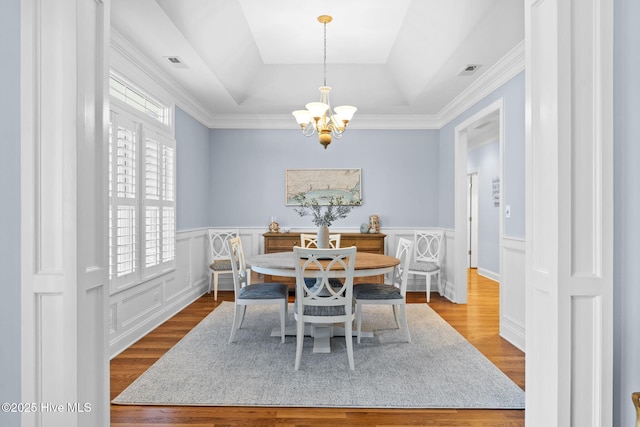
(512, 292)
(448, 265)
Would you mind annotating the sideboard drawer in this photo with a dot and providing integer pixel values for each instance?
(374, 246)
(283, 243)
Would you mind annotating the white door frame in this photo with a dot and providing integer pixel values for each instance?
(569, 212)
(461, 202)
(64, 281)
(472, 212)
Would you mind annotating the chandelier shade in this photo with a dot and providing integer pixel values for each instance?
(319, 118)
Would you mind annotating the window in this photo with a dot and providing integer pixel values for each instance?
(125, 92)
(141, 199)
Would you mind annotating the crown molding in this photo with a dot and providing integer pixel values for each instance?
(286, 121)
(504, 70)
(398, 122)
(137, 62)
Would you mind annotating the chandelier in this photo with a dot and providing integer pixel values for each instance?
(319, 117)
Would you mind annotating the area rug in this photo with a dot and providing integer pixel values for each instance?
(438, 369)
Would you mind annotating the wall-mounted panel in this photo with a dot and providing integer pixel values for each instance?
(174, 287)
(50, 357)
(138, 305)
(586, 150)
(113, 318)
(512, 292)
(586, 370)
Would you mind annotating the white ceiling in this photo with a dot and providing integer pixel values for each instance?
(264, 57)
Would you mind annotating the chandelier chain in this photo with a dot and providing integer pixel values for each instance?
(325, 53)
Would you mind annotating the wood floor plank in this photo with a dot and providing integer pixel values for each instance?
(477, 321)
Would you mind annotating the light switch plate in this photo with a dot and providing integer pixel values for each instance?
(507, 211)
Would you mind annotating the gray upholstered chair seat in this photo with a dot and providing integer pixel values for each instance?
(324, 310)
(424, 266)
(313, 310)
(376, 291)
(393, 294)
(221, 266)
(264, 291)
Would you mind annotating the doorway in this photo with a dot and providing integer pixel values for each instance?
(487, 123)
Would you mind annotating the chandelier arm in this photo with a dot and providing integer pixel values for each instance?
(309, 129)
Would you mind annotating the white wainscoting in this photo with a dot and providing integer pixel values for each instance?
(136, 311)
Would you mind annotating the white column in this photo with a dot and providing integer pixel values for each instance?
(569, 229)
(64, 346)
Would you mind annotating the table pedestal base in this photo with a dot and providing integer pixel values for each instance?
(321, 334)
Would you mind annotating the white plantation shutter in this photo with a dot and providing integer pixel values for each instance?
(125, 241)
(123, 167)
(152, 234)
(152, 209)
(169, 205)
(168, 234)
(159, 202)
(142, 200)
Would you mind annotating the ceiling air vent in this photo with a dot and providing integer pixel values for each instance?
(469, 70)
(176, 62)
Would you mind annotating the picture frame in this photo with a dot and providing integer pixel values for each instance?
(323, 185)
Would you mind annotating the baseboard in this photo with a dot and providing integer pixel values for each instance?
(489, 274)
(512, 332)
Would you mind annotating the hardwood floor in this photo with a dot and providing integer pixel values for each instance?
(477, 321)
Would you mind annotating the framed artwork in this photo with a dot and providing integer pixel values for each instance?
(323, 184)
(495, 191)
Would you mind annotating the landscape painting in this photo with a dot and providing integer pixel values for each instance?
(324, 185)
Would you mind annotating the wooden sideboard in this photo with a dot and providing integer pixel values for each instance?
(284, 242)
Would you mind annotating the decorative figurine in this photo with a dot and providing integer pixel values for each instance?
(274, 227)
(374, 224)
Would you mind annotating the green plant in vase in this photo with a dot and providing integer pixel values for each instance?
(323, 215)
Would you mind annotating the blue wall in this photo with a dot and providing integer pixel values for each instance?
(10, 212)
(399, 175)
(192, 170)
(513, 96)
(485, 160)
(626, 209)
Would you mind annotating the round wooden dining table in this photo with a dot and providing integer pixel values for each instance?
(283, 264)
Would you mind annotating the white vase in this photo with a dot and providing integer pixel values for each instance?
(323, 237)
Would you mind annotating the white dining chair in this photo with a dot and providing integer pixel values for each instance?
(311, 240)
(322, 303)
(256, 294)
(427, 257)
(219, 255)
(394, 293)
